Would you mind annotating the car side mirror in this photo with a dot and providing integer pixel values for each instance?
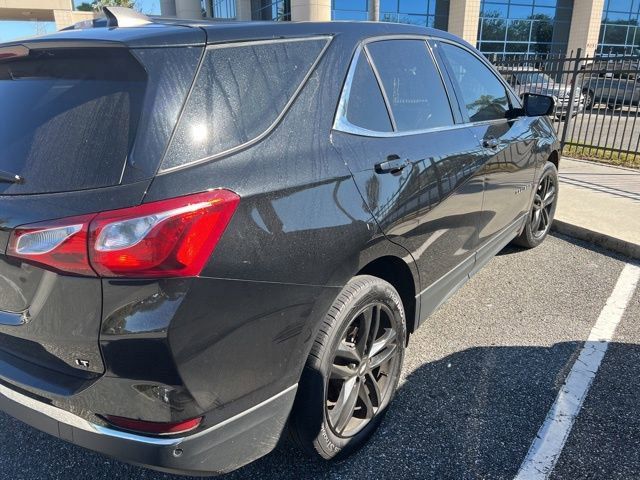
(538, 105)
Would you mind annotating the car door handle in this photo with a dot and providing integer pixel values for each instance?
(393, 164)
(490, 142)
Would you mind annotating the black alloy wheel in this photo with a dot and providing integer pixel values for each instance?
(543, 206)
(352, 371)
(365, 360)
(543, 209)
(588, 100)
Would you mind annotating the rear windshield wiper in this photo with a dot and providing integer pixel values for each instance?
(7, 177)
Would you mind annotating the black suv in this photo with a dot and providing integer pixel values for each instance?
(216, 233)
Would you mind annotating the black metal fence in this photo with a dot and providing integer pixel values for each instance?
(597, 99)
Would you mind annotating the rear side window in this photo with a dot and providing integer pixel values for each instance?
(240, 91)
(412, 84)
(484, 96)
(366, 108)
(68, 117)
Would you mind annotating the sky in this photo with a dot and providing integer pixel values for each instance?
(10, 30)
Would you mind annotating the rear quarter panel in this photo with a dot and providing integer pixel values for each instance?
(243, 331)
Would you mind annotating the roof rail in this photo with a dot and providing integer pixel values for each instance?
(124, 17)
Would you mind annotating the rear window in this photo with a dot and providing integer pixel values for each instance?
(68, 117)
(241, 90)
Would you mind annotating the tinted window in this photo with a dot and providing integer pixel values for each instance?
(240, 91)
(483, 94)
(412, 84)
(366, 106)
(68, 117)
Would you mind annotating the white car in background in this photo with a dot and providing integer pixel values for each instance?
(531, 80)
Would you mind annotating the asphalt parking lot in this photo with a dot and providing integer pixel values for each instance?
(478, 382)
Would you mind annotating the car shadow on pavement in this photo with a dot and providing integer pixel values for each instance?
(472, 414)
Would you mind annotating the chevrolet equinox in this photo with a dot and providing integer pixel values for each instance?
(215, 235)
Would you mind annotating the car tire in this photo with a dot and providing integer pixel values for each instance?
(543, 209)
(340, 368)
(588, 100)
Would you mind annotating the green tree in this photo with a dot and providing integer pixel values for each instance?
(98, 5)
(493, 27)
(84, 7)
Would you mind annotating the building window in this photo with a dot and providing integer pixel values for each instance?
(426, 13)
(276, 10)
(219, 8)
(349, 10)
(524, 27)
(620, 30)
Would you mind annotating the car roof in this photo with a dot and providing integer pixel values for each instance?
(177, 32)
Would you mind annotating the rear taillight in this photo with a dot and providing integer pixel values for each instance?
(61, 244)
(168, 238)
(154, 428)
(14, 51)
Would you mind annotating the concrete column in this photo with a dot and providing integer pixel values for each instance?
(168, 8)
(66, 18)
(190, 9)
(243, 10)
(584, 31)
(311, 10)
(464, 18)
(374, 10)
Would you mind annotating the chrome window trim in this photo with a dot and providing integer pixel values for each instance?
(277, 120)
(342, 124)
(453, 100)
(385, 96)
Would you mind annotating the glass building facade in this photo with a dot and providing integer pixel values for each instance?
(620, 30)
(505, 28)
(276, 10)
(427, 13)
(517, 27)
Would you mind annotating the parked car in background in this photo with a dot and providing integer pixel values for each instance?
(525, 79)
(613, 82)
(216, 234)
(619, 52)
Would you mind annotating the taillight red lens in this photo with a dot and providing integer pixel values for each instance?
(154, 428)
(167, 238)
(160, 239)
(61, 244)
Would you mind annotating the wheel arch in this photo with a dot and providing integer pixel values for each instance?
(554, 158)
(395, 270)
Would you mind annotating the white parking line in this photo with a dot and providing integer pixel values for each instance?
(546, 448)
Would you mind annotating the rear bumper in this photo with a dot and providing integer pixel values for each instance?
(218, 449)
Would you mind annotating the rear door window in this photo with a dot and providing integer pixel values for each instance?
(366, 108)
(484, 96)
(412, 83)
(240, 92)
(68, 117)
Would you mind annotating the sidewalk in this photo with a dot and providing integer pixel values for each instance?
(600, 204)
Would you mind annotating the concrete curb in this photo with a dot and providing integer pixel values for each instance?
(617, 245)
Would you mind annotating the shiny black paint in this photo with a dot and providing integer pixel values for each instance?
(314, 213)
(433, 207)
